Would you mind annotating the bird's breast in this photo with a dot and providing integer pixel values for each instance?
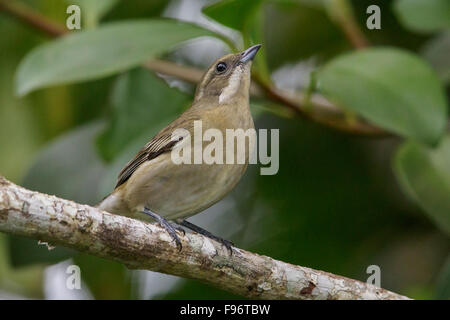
(180, 190)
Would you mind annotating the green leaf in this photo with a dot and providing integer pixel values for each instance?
(101, 52)
(140, 100)
(424, 174)
(392, 88)
(423, 15)
(437, 51)
(231, 13)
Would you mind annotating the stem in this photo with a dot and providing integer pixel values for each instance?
(32, 18)
(341, 12)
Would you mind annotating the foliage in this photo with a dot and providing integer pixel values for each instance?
(389, 87)
(101, 52)
(425, 175)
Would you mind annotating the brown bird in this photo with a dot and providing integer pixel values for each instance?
(153, 185)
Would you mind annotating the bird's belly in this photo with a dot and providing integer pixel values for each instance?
(175, 191)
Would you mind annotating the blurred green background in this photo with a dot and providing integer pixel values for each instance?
(73, 112)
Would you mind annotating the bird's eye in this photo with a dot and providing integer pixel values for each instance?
(221, 67)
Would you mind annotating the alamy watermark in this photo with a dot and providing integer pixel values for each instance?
(229, 146)
(73, 281)
(374, 20)
(375, 275)
(73, 22)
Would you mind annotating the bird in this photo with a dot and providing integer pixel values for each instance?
(152, 186)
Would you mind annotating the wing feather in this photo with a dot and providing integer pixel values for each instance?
(159, 144)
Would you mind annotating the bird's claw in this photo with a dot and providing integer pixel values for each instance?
(179, 229)
(172, 230)
(227, 244)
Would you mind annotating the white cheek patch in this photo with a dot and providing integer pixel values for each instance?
(232, 87)
(199, 94)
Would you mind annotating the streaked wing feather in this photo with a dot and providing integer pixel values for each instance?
(160, 144)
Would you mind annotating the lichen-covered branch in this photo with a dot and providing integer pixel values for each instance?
(142, 245)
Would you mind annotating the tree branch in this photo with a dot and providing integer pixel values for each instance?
(35, 19)
(341, 12)
(142, 245)
(319, 109)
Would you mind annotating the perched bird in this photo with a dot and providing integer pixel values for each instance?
(153, 185)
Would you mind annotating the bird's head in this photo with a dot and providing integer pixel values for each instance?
(227, 78)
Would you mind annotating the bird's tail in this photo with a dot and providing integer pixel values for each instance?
(113, 203)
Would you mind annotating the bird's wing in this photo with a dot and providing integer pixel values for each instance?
(161, 143)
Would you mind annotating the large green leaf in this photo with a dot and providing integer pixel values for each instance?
(140, 100)
(104, 51)
(392, 88)
(423, 15)
(424, 174)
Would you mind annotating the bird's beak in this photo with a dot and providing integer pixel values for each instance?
(249, 54)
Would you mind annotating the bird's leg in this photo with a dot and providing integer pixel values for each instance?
(166, 225)
(193, 227)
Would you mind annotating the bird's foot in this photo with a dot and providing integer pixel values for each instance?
(227, 244)
(170, 228)
(178, 228)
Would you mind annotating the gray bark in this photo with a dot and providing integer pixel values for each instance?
(142, 245)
